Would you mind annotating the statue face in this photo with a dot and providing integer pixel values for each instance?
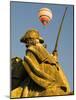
(32, 42)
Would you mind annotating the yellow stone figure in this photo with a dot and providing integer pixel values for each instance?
(43, 74)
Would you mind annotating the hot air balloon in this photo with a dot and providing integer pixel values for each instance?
(45, 15)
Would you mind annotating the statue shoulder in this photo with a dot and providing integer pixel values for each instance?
(38, 51)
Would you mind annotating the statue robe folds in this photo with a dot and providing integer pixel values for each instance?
(45, 76)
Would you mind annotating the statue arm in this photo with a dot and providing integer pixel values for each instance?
(35, 71)
(40, 81)
(37, 67)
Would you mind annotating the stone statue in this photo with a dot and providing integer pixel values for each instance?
(41, 73)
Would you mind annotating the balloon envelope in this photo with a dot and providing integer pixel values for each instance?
(45, 15)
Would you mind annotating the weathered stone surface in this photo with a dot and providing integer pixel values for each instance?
(44, 77)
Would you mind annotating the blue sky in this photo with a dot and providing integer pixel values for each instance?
(25, 16)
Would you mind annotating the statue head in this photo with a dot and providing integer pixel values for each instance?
(31, 37)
